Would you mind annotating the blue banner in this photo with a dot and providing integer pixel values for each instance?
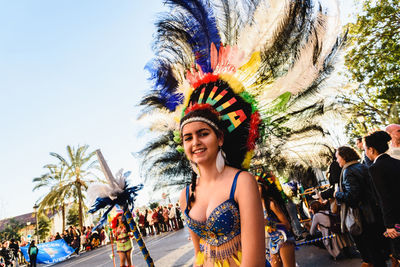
(50, 252)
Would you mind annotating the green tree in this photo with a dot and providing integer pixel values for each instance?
(78, 164)
(44, 225)
(68, 180)
(11, 230)
(56, 179)
(73, 215)
(374, 64)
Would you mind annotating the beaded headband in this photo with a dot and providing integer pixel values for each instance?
(201, 119)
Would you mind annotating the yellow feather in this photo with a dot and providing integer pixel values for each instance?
(253, 64)
(200, 258)
(247, 73)
(240, 256)
(234, 83)
(247, 159)
(236, 260)
(226, 264)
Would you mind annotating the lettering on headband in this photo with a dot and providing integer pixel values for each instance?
(235, 117)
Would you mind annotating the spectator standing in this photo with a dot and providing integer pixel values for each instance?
(154, 218)
(32, 252)
(394, 131)
(14, 247)
(142, 224)
(172, 216)
(167, 226)
(161, 223)
(385, 172)
(57, 237)
(6, 253)
(179, 216)
(356, 191)
(149, 219)
(146, 222)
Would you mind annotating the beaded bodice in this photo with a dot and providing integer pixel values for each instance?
(222, 225)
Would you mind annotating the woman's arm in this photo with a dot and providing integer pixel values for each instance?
(251, 220)
(314, 224)
(351, 189)
(279, 213)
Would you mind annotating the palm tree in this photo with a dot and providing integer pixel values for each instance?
(56, 179)
(78, 166)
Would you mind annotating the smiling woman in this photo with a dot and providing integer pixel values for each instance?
(225, 222)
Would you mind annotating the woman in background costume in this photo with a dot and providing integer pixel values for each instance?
(279, 237)
(121, 232)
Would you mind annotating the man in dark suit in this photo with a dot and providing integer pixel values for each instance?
(385, 172)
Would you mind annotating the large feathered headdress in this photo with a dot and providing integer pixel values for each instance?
(260, 64)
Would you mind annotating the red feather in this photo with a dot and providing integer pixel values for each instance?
(201, 106)
(207, 78)
(253, 131)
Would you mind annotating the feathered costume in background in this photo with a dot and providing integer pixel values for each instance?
(117, 192)
(271, 56)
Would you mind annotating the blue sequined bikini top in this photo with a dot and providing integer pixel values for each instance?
(222, 225)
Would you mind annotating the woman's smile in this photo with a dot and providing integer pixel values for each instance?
(200, 142)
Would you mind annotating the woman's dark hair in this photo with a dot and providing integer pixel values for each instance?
(378, 140)
(271, 193)
(348, 153)
(124, 222)
(316, 206)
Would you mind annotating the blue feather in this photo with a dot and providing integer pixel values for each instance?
(124, 199)
(202, 28)
(165, 84)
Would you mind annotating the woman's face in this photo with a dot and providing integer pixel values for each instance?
(370, 152)
(340, 160)
(120, 219)
(200, 142)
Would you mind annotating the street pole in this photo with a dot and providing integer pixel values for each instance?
(37, 225)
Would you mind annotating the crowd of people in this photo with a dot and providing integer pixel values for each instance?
(159, 220)
(10, 253)
(364, 197)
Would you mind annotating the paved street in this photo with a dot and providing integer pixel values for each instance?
(173, 249)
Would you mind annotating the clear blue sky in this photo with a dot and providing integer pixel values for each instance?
(71, 73)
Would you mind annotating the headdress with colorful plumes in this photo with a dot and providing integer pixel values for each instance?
(269, 179)
(260, 64)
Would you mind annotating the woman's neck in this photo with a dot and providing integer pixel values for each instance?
(208, 172)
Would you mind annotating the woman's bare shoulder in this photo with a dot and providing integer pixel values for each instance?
(246, 179)
(182, 198)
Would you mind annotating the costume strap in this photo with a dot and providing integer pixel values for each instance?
(233, 188)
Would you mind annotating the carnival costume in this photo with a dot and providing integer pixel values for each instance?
(121, 234)
(220, 240)
(276, 234)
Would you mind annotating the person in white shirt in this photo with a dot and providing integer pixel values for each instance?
(394, 149)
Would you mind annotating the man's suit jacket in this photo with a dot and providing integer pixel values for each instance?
(385, 173)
